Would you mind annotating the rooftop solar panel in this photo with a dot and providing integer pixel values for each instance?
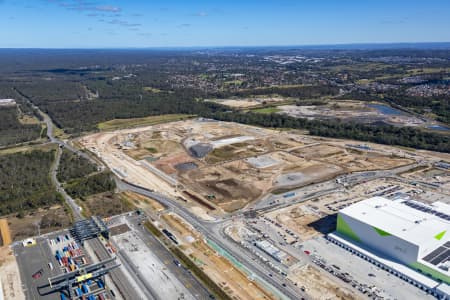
(441, 258)
(435, 254)
(427, 209)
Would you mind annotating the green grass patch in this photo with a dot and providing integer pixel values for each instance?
(136, 122)
(152, 228)
(282, 191)
(418, 168)
(267, 110)
(152, 150)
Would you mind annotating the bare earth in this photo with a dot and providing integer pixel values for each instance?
(243, 163)
(11, 285)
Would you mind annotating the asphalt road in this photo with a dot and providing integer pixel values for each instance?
(53, 172)
(186, 277)
(117, 275)
(213, 232)
(76, 211)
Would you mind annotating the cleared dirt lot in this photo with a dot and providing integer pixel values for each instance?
(351, 160)
(5, 234)
(226, 164)
(319, 286)
(249, 102)
(106, 204)
(354, 110)
(9, 276)
(49, 219)
(223, 272)
(303, 220)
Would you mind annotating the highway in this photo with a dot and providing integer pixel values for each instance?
(116, 275)
(76, 210)
(212, 230)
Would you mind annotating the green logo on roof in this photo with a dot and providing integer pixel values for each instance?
(440, 235)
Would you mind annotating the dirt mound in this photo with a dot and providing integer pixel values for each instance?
(231, 188)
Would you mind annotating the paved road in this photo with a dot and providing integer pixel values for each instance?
(54, 169)
(117, 275)
(76, 210)
(213, 232)
(163, 254)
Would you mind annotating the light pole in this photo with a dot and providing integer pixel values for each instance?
(38, 225)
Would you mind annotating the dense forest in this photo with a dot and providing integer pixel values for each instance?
(93, 184)
(81, 88)
(25, 181)
(83, 116)
(80, 178)
(73, 166)
(14, 132)
(383, 134)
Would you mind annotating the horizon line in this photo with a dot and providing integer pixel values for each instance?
(338, 45)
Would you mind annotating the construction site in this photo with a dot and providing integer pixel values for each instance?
(218, 167)
(216, 209)
(355, 110)
(250, 102)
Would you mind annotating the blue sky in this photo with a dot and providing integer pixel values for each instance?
(174, 23)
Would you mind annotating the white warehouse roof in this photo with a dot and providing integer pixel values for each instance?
(405, 219)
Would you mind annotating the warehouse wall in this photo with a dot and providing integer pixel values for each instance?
(381, 241)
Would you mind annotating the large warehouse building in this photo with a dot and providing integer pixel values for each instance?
(404, 232)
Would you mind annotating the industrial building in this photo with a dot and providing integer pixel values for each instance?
(408, 238)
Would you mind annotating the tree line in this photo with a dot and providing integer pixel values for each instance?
(382, 134)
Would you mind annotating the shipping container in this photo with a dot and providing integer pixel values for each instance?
(100, 283)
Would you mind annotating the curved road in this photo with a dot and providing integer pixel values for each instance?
(213, 232)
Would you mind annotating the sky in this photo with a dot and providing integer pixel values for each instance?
(217, 23)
